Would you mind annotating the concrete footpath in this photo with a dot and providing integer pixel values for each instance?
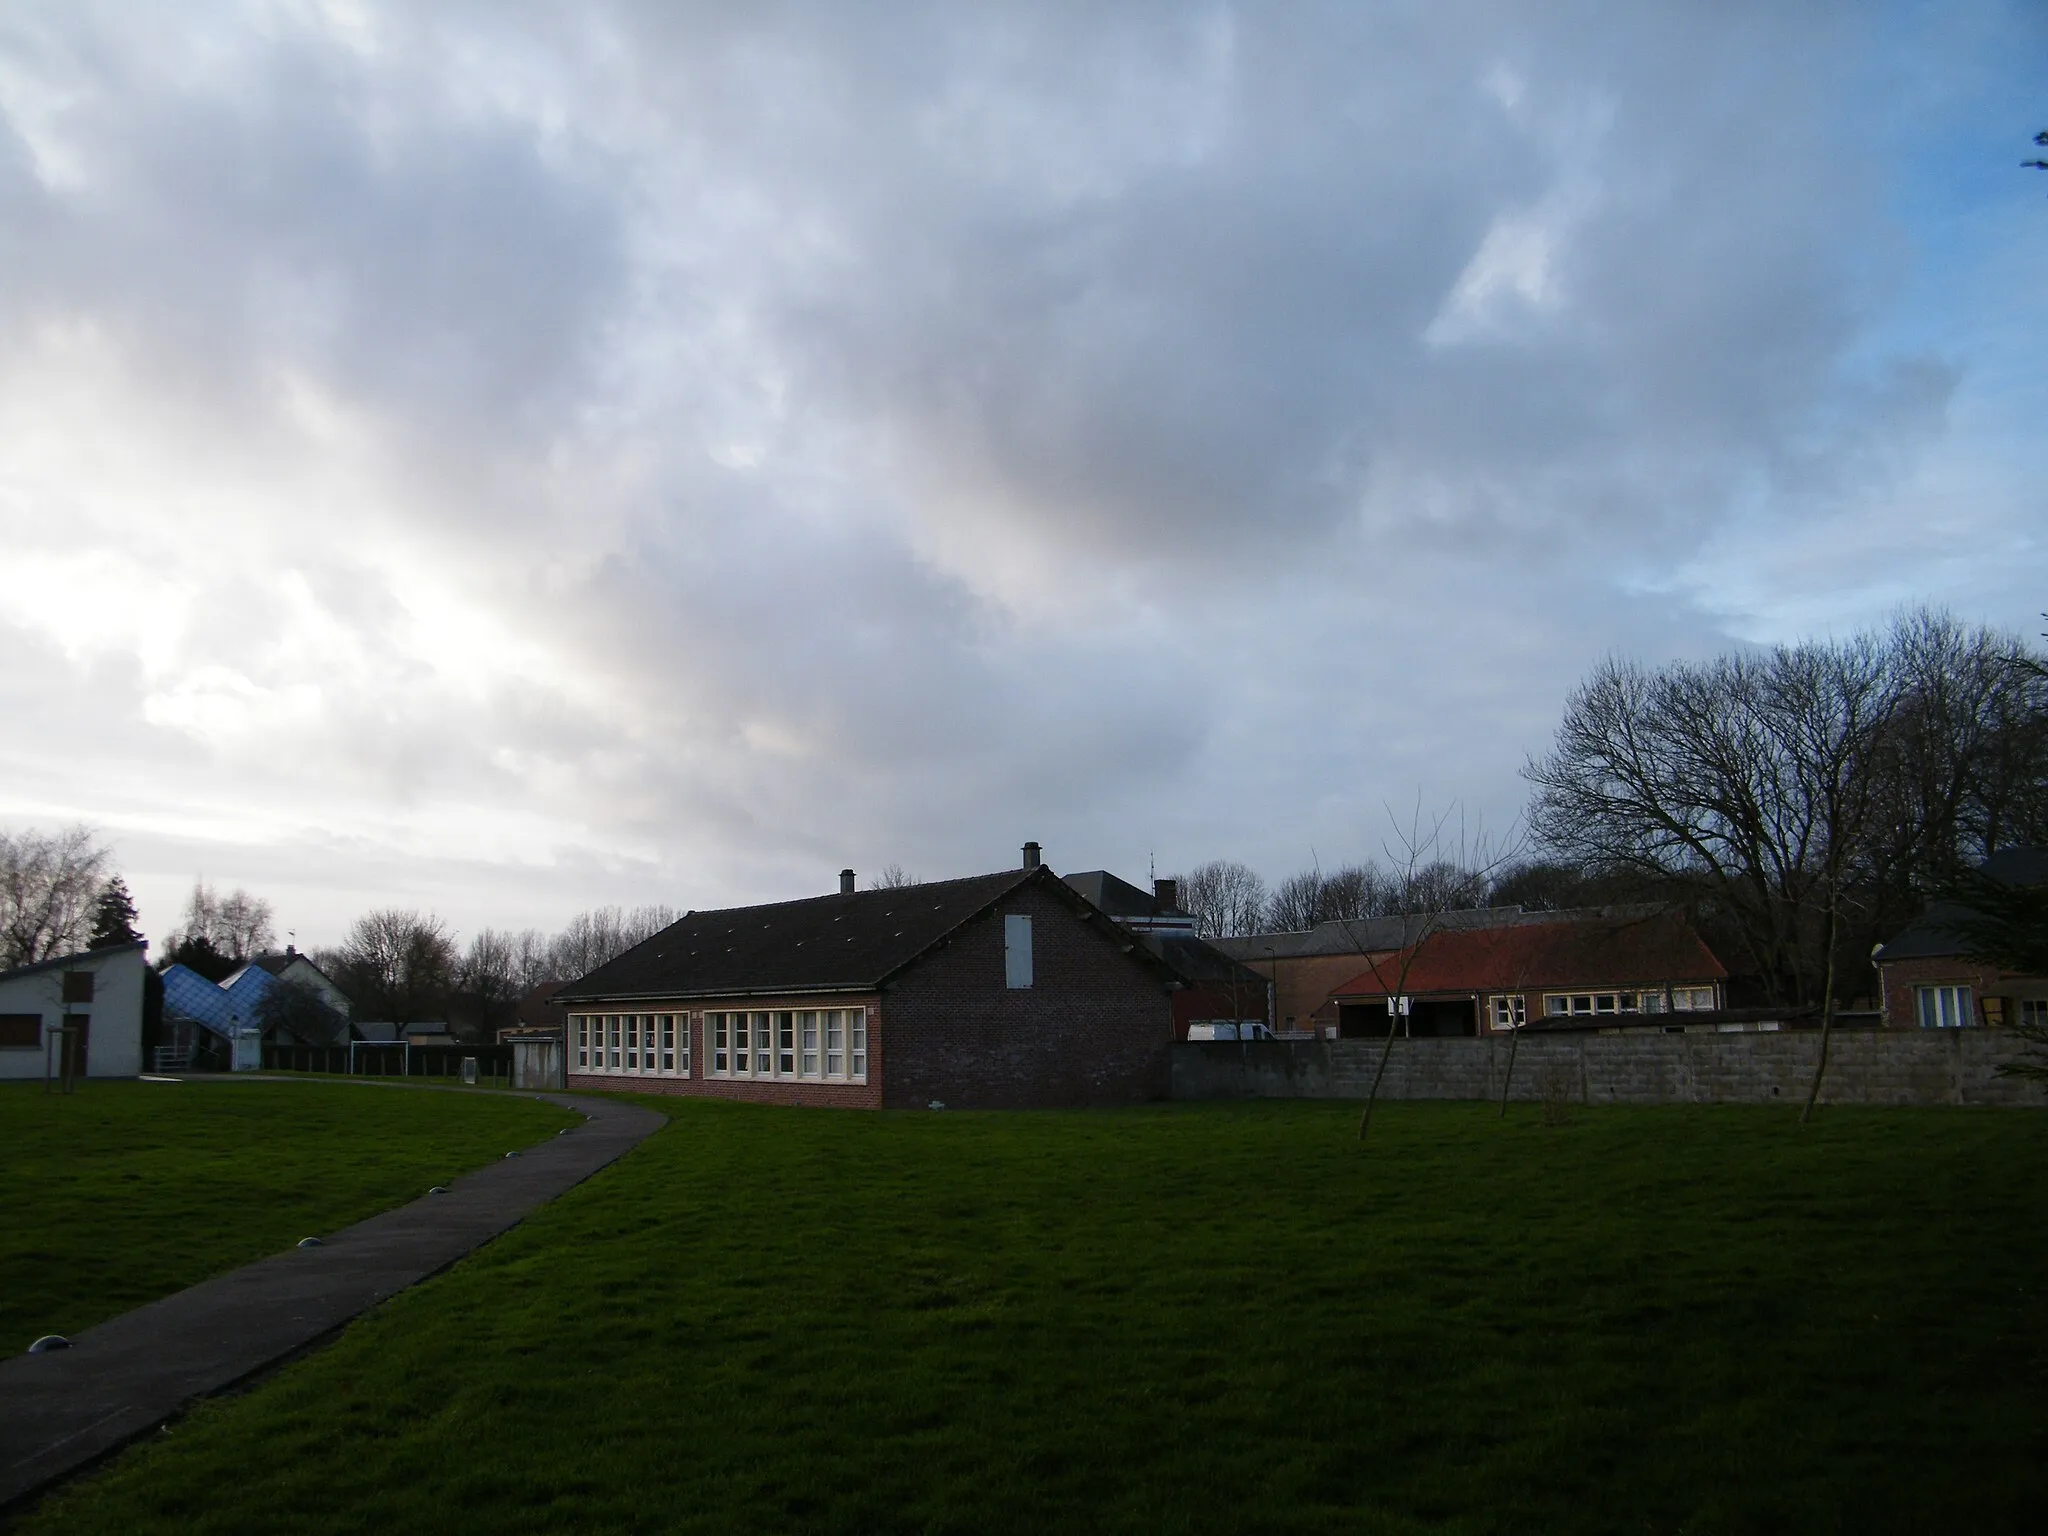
(64, 1409)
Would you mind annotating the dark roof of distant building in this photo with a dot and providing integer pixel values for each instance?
(1195, 960)
(540, 1006)
(848, 941)
(58, 962)
(1930, 936)
(1660, 947)
(278, 964)
(1370, 935)
(1120, 899)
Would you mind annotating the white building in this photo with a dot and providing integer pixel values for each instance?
(97, 994)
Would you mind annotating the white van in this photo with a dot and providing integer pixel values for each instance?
(1229, 1029)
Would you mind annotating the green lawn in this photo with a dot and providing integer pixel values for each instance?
(125, 1191)
(1190, 1318)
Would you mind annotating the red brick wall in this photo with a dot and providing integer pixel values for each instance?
(1900, 977)
(1093, 1028)
(699, 1084)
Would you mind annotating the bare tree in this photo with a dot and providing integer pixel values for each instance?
(893, 877)
(1313, 896)
(1297, 903)
(605, 933)
(236, 927)
(1437, 861)
(50, 885)
(396, 965)
(1225, 898)
(1804, 799)
(489, 971)
(532, 959)
(1834, 702)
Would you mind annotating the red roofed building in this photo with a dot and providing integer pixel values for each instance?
(1492, 980)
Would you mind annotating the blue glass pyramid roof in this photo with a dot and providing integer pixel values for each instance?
(189, 995)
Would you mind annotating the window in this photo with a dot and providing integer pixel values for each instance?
(632, 1044)
(799, 1044)
(1683, 1000)
(78, 986)
(1510, 1012)
(1572, 1004)
(21, 1031)
(2032, 1012)
(1017, 951)
(1945, 1007)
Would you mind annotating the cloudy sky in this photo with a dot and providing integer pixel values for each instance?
(505, 458)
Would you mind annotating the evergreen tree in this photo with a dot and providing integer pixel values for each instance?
(113, 920)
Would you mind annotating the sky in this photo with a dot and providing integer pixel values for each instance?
(501, 459)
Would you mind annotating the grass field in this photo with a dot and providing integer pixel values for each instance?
(1190, 1318)
(125, 1191)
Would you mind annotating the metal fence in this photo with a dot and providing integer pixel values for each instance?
(378, 1058)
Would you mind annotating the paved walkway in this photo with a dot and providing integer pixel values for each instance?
(61, 1410)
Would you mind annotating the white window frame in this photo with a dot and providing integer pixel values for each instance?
(654, 1044)
(1944, 1006)
(786, 1045)
(2032, 1011)
(1510, 1010)
(1581, 1005)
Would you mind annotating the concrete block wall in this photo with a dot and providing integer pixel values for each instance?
(1957, 1066)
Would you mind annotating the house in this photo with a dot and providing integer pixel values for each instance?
(299, 971)
(1928, 983)
(88, 1004)
(1306, 966)
(1006, 990)
(1214, 989)
(1476, 981)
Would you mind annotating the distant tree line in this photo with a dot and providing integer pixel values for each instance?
(1802, 802)
(405, 967)
(1228, 899)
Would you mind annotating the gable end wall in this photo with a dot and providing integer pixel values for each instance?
(1093, 1028)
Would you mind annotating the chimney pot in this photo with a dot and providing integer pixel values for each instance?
(1166, 893)
(1031, 855)
(846, 882)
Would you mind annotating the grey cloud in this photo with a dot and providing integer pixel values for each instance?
(897, 430)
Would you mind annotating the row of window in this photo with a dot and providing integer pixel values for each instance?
(827, 1045)
(632, 1044)
(1511, 1009)
(818, 1044)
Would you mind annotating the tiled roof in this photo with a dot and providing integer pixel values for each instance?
(73, 961)
(1620, 951)
(1197, 960)
(1369, 935)
(1119, 898)
(848, 942)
